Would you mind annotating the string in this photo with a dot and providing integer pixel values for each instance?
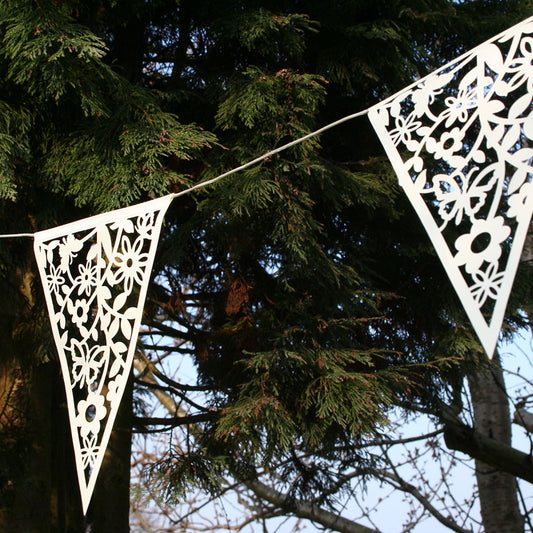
(238, 169)
(13, 235)
(271, 153)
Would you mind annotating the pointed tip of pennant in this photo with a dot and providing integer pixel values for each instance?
(85, 501)
(489, 345)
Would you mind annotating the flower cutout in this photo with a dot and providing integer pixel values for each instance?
(445, 148)
(458, 107)
(90, 413)
(88, 278)
(483, 243)
(89, 271)
(466, 167)
(131, 262)
(87, 363)
(54, 279)
(79, 310)
(404, 128)
(145, 225)
(89, 451)
(486, 284)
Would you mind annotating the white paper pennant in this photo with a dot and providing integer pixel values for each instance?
(459, 141)
(95, 275)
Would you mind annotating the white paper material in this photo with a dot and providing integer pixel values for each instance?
(95, 274)
(460, 142)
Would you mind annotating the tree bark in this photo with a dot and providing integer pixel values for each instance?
(38, 489)
(128, 45)
(463, 438)
(497, 489)
(110, 504)
(25, 451)
(306, 510)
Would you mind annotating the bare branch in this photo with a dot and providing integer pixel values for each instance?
(459, 436)
(306, 510)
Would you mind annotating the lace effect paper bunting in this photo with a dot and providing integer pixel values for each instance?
(460, 142)
(95, 275)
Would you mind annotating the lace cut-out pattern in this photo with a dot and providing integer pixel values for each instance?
(95, 274)
(460, 142)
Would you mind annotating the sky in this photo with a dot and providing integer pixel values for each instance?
(389, 510)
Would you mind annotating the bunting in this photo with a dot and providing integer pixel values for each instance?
(95, 275)
(459, 141)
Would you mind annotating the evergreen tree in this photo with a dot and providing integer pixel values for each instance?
(303, 287)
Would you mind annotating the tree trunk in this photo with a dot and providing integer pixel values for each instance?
(110, 504)
(128, 44)
(38, 489)
(497, 490)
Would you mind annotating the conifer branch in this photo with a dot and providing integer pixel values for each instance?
(271, 153)
(300, 508)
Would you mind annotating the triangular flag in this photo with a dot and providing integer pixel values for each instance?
(459, 141)
(95, 275)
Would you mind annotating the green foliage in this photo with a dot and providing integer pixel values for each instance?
(14, 126)
(94, 135)
(273, 34)
(324, 308)
(257, 99)
(304, 393)
(114, 161)
(51, 55)
(197, 468)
